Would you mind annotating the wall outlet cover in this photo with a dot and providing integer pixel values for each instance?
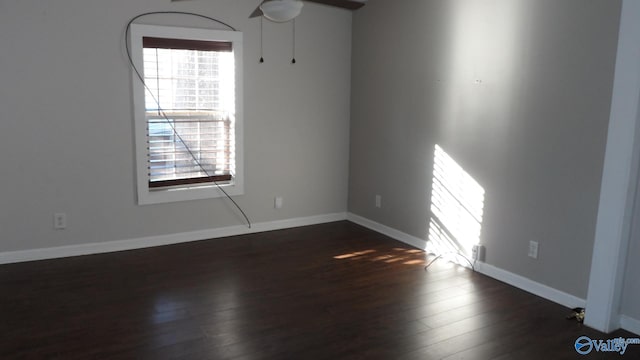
(533, 249)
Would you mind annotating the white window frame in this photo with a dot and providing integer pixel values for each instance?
(145, 195)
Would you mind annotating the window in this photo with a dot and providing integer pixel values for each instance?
(188, 118)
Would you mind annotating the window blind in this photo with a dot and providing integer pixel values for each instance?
(189, 131)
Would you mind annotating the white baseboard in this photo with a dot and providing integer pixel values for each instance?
(390, 232)
(512, 279)
(531, 286)
(630, 324)
(145, 242)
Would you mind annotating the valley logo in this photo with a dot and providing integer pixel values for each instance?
(584, 345)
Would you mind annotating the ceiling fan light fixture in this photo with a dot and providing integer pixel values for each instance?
(281, 10)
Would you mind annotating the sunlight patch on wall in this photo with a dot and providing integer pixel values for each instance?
(457, 204)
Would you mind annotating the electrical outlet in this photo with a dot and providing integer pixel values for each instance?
(277, 202)
(59, 221)
(378, 201)
(475, 252)
(533, 249)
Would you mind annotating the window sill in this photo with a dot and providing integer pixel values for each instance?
(148, 196)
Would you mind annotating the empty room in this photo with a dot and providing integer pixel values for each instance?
(320, 179)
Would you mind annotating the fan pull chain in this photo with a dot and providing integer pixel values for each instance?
(293, 59)
(261, 42)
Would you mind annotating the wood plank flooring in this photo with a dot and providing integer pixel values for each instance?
(330, 291)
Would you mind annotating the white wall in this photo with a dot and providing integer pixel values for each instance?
(631, 290)
(66, 121)
(517, 92)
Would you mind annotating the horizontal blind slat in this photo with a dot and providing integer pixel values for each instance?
(198, 180)
(185, 44)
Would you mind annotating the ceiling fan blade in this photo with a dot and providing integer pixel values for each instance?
(346, 4)
(257, 12)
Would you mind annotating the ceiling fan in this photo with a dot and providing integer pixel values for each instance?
(286, 10)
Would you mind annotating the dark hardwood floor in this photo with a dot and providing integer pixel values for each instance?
(331, 291)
